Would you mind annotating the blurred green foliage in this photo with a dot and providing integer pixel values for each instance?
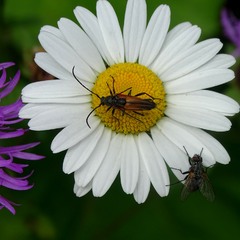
(51, 211)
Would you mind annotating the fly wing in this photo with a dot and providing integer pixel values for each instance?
(186, 189)
(206, 188)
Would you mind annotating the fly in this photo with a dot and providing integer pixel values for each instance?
(196, 178)
(121, 101)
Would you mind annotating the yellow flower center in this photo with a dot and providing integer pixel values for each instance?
(132, 98)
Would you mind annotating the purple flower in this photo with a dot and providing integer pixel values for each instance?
(231, 29)
(10, 168)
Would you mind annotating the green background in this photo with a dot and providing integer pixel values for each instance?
(51, 211)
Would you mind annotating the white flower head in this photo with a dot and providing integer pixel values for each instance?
(155, 79)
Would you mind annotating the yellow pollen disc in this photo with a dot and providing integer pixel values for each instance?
(131, 117)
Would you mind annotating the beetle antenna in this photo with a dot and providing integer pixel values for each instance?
(82, 83)
(91, 113)
(112, 93)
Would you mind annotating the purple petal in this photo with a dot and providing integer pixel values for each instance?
(5, 163)
(11, 85)
(7, 204)
(3, 78)
(16, 167)
(12, 110)
(230, 26)
(27, 156)
(17, 185)
(6, 65)
(18, 148)
(14, 183)
(13, 134)
(10, 122)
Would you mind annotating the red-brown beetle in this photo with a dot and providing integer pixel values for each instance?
(122, 101)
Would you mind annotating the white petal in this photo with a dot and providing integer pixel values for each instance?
(53, 30)
(129, 164)
(82, 44)
(134, 28)
(74, 133)
(174, 156)
(194, 140)
(31, 110)
(154, 164)
(176, 31)
(63, 53)
(184, 38)
(191, 59)
(211, 144)
(78, 154)
(79, 99)
(81, 191)
(48, 64)
(201, 118)
(220, 61)
(59, 117)
(205, 99)
(86, 172)
(54, 89)
(90, 25)
(111, 30)
(154, 35)
(109, 168)
(198, 80)
(181, 135)
(143, 185)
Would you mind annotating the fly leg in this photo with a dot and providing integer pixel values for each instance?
(179, 180)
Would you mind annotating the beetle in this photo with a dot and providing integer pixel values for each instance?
(196, 178)
(121, 101)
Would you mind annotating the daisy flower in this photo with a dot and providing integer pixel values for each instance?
(10, 168)
(166, 68)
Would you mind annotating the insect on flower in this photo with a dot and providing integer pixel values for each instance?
(122, 101)
(197, 178)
